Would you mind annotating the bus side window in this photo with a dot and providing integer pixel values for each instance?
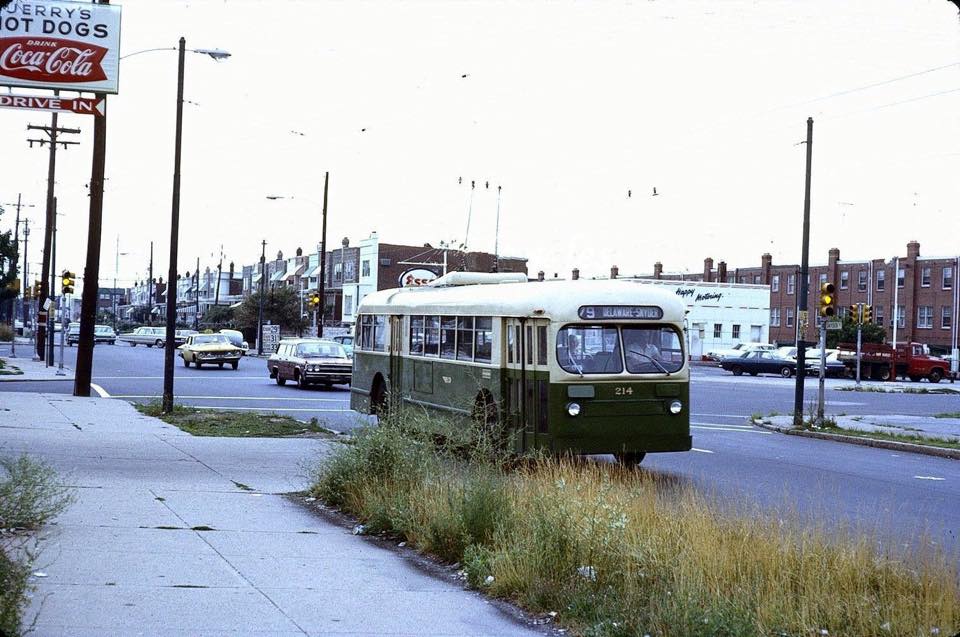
(379, 333)
(483, 339)
(541, 345)
(511, 343)
(517, 354)
(448, 337)
(529, 345)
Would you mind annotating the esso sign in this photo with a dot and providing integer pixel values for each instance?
(416, 277)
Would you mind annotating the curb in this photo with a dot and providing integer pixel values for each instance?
(14, 378)
(907, 447)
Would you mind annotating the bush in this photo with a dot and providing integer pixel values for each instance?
(31, 494)
(621, 552)
(6, 332)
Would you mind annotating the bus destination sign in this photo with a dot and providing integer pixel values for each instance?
(620, 312)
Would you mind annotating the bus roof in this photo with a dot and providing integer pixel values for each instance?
(556, 300)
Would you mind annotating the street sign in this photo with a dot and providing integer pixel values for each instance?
(81, 105)
(834, 325)
(271, 337)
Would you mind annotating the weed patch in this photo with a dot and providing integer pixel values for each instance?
(31, 494)
(213, 422)
(613, 551)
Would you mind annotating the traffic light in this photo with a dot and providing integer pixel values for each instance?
(66, 282)
(314, 301)
(867, 314)
(36, 289)
(855, 312)
(828, 302)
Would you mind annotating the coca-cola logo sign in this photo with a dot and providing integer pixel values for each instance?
(51, 60)
(53, 44)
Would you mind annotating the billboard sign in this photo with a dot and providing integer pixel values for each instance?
(53, 44)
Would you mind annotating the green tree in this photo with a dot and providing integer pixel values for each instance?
(872, 333)
(219, 316)
(9, 261)
(280, 307)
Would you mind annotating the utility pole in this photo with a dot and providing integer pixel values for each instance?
(51, 319)
(216, 296)
(150, 295)
(52, 141)
(196, 308)
(170, 343)
(802, 314)
(26, 272)
(323, 258)
(263, 276)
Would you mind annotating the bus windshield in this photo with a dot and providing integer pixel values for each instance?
(590, 349)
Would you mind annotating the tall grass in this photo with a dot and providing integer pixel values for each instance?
(31, 494)
(618, 552)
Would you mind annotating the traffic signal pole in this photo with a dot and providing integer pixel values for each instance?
(804, 288)
(52, 296)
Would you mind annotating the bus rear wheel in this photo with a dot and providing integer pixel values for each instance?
(378, 398)
(630, 458)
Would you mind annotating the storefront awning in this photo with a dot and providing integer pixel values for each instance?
(277, 277)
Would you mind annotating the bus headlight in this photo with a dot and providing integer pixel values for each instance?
(676, 407)
(573, 409)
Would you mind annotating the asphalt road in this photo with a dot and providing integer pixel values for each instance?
(904, 498)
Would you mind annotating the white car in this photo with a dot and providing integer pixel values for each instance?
(148, 336)
(738, 349)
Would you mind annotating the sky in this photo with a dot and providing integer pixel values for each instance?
(566, 106)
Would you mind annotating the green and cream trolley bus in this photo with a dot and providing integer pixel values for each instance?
(569, 366)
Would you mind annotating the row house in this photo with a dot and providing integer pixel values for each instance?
(914, 297)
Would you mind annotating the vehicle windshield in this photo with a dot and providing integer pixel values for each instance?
(327, 350)
(204, 339)
(591, 349)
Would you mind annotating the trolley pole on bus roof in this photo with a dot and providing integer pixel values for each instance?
(802, 315)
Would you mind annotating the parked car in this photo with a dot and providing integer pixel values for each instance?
(236, 338)
(101, 334)
(209, 349)
(180, 336)
(787, 352)
(148, 336)
(833, 366)
(738, 349)
(308, 361)
(759, 362)
(347, 341)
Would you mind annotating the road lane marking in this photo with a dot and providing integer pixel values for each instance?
(744, 416)
(717, 424)
(191, 377)
(743, 431)
(929, 478)
(700, 450)
(281, 399)
(100, 390)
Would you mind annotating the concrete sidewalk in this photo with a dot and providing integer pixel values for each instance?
(179, 535)
(31, 369)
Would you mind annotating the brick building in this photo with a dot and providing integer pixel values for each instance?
(914, 297)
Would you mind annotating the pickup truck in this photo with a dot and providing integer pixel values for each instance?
(881, 361)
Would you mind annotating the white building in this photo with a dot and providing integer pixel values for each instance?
(720, 315)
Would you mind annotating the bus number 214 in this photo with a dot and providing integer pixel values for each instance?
(623, 391)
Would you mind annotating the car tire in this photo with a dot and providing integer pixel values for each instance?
(935, 376)
(280, 379)
(198, 364)
(149, 345)
(235, 365)
(220, 365)
(158, 343)
(786, 372)
(916, 378)
(186, 363)
(737, 371)
(132, 344)
(302, 384)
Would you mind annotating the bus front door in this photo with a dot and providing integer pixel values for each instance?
(395, 382)
(535, 383)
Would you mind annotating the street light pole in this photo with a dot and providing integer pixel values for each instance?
(323, 258)
(170, 341)
(263, 275)
(804, 287)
